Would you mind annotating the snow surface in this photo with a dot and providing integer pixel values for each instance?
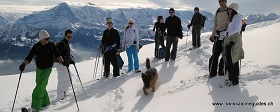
(182, 85)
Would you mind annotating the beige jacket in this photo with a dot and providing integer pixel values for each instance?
(237, 52)
(221, 21)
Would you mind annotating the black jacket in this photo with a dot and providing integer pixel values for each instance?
(64, 49)
(110, 37)
(173, 26)
(43, 55)
(197, 20)
(159, 27)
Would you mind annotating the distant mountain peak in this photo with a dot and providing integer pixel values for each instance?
(63, 4)
(90, 3)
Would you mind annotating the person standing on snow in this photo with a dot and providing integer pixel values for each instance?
(233, 44)
(220, 25)
(159, 28)
(130, 44)
(243, 26)
(174, 32)
(196, 22)
(43, 52)
(111, 45)
(63, 79)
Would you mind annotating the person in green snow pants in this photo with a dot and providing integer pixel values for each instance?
(43, 51)
(40, 97)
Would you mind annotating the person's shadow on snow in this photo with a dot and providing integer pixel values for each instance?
(143, 101)
(166, 73)
(229, 95)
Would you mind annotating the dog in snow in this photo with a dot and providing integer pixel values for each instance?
(149, 78)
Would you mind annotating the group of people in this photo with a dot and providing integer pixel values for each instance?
(46, 53)
(226, 37)
(227, 41)
(110, 46)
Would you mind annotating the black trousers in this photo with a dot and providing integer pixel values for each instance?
(171, 40)
(233, 68)
(159, 40)
(196, 31)
(217, 51)
(110, 57)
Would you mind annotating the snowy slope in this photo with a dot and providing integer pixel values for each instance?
(182, 84)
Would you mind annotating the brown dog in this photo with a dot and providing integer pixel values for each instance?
(149, 78)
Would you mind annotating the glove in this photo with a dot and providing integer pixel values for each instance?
(223, 34)
(189, 26)
(101, 49)
(22, 67)
(72, 62)
(117, 51)
(212, 38)
(72, 57)
(137, 47)
(65, 63)
(123, 48)
(231, 43)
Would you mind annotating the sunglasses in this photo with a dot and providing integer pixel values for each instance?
(47, 39)
(171, 12)
(222, 1)
(109, 22)
(130, 23)
(69, 37)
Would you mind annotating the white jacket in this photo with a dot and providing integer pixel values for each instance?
(235, 25)
(130, 35)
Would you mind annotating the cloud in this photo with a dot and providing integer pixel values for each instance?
(246, 6)
(30, 2)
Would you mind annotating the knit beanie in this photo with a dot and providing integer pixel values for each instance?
(130, 21)
(109, 20)
(43, 34)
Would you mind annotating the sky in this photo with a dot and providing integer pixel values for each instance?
(246, 6)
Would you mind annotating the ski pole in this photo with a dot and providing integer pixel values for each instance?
(225, 55)
(157, 44)
(187, 36)
(96, 63)
(73, 88)
(16, 90)
(103, 61)
(240, 68)
(215, 42)
(80, 79)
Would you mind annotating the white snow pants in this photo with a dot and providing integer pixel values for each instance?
(63, 81)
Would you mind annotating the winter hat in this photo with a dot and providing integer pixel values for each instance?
(234, 6)
(43, 34)
(130, 21)
(109, 20)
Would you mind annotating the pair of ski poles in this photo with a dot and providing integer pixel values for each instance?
(98, 54)
(70, 82)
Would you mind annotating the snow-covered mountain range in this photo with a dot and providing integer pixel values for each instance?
(17, 34)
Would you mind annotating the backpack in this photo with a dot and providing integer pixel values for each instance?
(134, 42)
(203, 21)
(161, 53)
(218, 10)
(55, 44)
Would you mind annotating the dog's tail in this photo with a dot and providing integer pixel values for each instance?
(148, 65)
